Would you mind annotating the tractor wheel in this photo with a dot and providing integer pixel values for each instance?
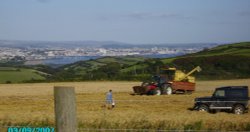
(164, 88)
(150, 92)
(157, 91)
(169, 90)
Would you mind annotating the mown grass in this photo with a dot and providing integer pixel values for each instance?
(32, 105)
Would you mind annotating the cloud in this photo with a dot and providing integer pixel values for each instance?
(244, 13)
(145, 16)
(43, 1)
(157, 16)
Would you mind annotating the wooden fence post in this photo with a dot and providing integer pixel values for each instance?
(65, 109)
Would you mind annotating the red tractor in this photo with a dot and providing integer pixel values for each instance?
(171, 81)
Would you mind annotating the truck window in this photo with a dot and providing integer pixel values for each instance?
(237, 93)
(219, 93)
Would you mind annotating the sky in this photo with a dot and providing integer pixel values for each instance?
(129, 21)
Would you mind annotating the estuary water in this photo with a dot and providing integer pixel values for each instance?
(63, 60)
(68, 59)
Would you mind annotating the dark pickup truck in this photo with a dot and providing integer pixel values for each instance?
(230, 98)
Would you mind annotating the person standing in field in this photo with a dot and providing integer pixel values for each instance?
(109, 100)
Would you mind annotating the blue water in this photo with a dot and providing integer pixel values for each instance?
(72, 59)
(68, 59)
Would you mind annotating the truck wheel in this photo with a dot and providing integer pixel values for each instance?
(203, 108)
(169, 90)
(238, 109)
(157, 91)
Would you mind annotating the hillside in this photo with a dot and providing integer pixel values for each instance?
(237, 49)
(227, 61)
(19, 75)
(222, 62)
(102, 68)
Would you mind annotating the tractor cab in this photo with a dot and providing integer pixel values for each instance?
(159, 80)
(168, 74)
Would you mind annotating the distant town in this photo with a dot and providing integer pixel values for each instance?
(30, 51)
(40, 54)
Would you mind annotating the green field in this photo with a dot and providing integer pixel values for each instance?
(229, 61)
(87, 66)
(217, 62)
(18, 75)
(236, 49)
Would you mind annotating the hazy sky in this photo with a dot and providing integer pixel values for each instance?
(131, 21)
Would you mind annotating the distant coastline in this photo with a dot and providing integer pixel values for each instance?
(33, 62)
(63, 60)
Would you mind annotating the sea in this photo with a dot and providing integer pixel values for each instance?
(63, 60)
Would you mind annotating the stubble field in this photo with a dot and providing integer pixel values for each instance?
(33, 105)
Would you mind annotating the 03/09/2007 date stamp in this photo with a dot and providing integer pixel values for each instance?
(31, 129)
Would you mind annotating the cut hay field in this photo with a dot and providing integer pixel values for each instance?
(32, 105)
